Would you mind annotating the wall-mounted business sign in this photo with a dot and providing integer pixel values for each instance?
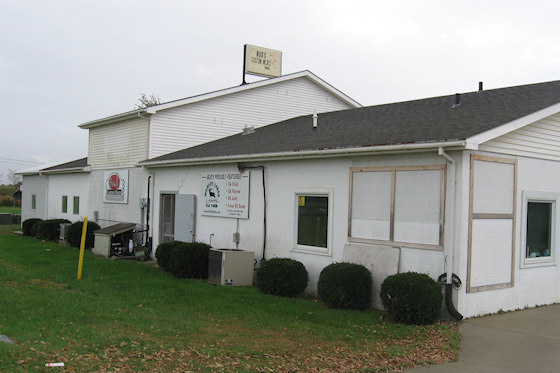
(262, 61)
(226, 195)
(115, 186)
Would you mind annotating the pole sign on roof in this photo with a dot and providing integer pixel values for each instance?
(262, 61)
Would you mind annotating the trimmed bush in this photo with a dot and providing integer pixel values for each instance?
(345, 285)
(189, 260)
(282, 276)
(412, 298)
(163, 253)
(28, 225)
(74, 234)
(50, 229)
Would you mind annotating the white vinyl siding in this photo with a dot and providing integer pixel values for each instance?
(118, 144)
(539, 140)
(208, 120)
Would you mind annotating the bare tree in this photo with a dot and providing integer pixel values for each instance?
(147, 101)
(13, 179)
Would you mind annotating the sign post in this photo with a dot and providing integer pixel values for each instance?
(82, 247)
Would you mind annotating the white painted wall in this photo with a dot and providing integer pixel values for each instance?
(69, 185)
(283, 181)
(34, 184)
(199, 122)
(113, 213)
(532, 286)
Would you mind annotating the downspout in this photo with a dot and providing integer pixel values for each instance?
(148, 241)
(449, 237)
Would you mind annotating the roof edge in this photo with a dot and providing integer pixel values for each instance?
(261, 83)
(448, 145)
(114, 119)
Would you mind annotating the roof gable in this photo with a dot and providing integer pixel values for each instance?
(228, 91)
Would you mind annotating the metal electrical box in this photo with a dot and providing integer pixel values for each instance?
(231, 267)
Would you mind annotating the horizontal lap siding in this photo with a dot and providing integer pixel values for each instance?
(539, 140)
(208, 120)
(118, 144)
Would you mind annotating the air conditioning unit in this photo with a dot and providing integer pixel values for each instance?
(231, 267)
(64, 232)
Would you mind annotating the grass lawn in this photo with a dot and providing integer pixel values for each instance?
(9, 210)
(128, 316)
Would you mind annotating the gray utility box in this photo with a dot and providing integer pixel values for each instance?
(116, 235)
(231, 267)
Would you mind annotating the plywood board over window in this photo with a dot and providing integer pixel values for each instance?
(493, 184)
(397, 206)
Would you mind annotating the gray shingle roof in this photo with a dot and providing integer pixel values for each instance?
(82, 162)
(419, 121)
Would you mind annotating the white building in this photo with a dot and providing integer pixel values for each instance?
(109, 188)
(467, 185)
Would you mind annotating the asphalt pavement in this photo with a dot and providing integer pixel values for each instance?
(521, 341)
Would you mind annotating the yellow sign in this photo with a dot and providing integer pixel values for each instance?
(301, 200)
(262, 61)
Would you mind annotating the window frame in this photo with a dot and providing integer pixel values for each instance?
(33, 202)
(76, 205)
(394, 169)
(315, 192)
(540, 197)
(64, 207)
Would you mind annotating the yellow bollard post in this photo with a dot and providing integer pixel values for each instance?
(82, 247)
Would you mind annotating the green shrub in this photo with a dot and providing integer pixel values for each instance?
(50, 229)
(282, 276)
(345, 285)
(163, 253)
(74, 234)
(28, 225)
(412, 298)
(6, 201)
(189, 260)
(35, 228)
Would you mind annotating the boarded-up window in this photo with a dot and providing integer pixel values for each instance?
(398, 205)
(491, 223)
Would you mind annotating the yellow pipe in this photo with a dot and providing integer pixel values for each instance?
(82, 247)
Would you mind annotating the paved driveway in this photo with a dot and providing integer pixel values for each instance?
(521, 341)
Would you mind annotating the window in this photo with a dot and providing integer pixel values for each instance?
(167, 217)
(76, 207)
(313, 222)
(401, 206)
(65, 204)
(33, 202)
(539, 228)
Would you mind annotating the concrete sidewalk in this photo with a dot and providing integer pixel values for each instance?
(521, 341)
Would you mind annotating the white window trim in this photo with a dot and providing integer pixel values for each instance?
(315, 192)
(532, 196)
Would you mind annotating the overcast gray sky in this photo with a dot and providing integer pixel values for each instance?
(63, 63)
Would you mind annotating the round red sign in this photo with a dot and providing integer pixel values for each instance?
(114, 181)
